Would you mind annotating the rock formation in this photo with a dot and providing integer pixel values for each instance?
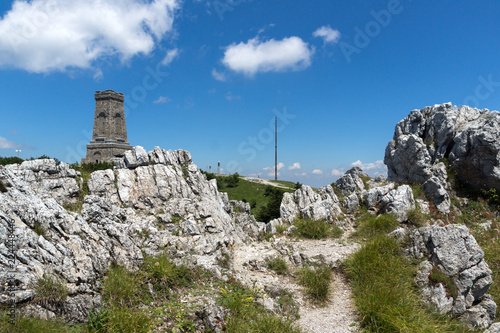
(454, 252)
(468, 138)
(155, 201)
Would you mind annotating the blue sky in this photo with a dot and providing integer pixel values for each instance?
(210, 76)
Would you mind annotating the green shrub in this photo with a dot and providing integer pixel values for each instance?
(272, 209)
(316, 281)
(370, 225)
(278, 265)
(50, 290)
(315, 229)
(297, 185)
(10, 160)
(382, 282)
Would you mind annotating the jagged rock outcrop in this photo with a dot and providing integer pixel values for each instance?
(47, 178)
(454, 252)
(323, 205)
(154, 201)
(351, 181)
(469, 138)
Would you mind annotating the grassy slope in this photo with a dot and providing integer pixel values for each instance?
(250, 191)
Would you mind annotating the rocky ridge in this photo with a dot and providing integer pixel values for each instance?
(154, 201)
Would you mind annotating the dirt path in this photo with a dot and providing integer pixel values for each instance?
(339, 314)
(265, 182)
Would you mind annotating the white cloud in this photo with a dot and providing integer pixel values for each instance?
(6, 144)
(328, 34)
(271, 174)
(230, 97)
(376, 168)
(170, 56)
(303, 174)
(43, 36)
(254, 56)
(280, 166)
(295, 166)
(162, 100)
(219, 76)
(317, 172)
(337, 172)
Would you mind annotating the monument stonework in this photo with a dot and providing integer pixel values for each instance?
(109, 138)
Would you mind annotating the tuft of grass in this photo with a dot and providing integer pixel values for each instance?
(164, 274)
(416, 217)
(382, 282)
(316, 229)
(4, 186)
(247, 316)
(278, 265)
(370, 225)
(50, 291)
(418, 193)
(122, 288)
(25, 324)
(40, 229)
(316, 280)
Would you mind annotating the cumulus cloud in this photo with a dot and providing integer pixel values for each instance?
(295, 166)
(170, 56)
(328, 34)
(376, 168)
(337, 172)
(317, 172)
(219, 76)
(271, 174)
(162, 100)
(255, 56)
(43, 36)
(280, 166)
(7, 144)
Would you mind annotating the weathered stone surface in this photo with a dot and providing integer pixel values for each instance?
(47, 178)
(213, 318)
(398, 202)
(127, 212)
(435, 296)
(495, 328)
(323, 205)
(469, 138)
(454, 251)
(351, 203)
(374, 196)
(351, 181)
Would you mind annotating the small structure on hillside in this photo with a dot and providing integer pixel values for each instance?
(109, 138)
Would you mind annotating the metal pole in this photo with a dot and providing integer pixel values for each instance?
(276, 148)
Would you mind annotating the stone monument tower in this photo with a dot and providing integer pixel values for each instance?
(109, 138)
